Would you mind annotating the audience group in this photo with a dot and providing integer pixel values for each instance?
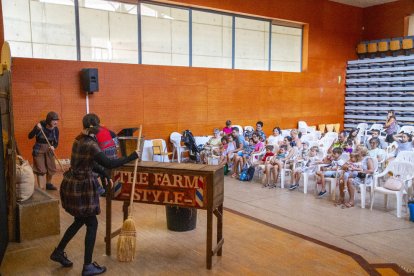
(351, 158)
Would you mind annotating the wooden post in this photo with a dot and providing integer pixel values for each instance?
(220, 229)
(209, 247)
(109, 194)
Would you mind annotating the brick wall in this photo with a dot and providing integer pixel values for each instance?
(166, 99)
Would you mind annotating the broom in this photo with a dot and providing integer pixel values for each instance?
(50, 146)
(127, 238)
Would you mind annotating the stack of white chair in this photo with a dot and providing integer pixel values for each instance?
(304, 128)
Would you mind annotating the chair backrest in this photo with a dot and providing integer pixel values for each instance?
(332, 135)
(404, 170)
(285, 132)
(383, 46)
(157, 146)
(362, 48)
(406, 156)
(407, 43)
(407, 129)
(329, 127)
(376, 126)
(362, 127)
(395, 44)
(175, 139)
(372, 47)
(321, 128)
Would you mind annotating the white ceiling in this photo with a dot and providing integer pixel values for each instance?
(363, 3)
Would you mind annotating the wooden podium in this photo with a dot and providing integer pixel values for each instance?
(176, 184)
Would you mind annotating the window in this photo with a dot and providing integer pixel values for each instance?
(162, 34)
(212, 40)
(108, 31)
(286, 49)
(40, 28)
(165, 35)
(252, 44)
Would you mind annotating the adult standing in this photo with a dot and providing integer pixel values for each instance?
(44, 166)
(79, 193)
(391, 126)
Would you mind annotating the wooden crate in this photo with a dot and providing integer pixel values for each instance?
(38, 216)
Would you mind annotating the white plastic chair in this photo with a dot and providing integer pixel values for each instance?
(362, 127)
(333, 135)
(286, 167)
(178, 150)
(367, 182)
(285, 132)
(361, 130)
(391, 149)
(306, 175)
(407, 129)
(405, 171)
(325, 143)
(309, 137)
(304, 128)
(405, 156)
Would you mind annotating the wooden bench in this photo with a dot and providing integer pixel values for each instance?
(38, 216)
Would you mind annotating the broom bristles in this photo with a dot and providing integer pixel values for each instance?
(127, 241)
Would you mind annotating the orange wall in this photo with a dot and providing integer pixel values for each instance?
(166, 99)
(387, 20)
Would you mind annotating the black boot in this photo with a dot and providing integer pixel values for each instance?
(92, 269)
(51, 187)
(60, 257)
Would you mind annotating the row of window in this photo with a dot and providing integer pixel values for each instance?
(148, 34)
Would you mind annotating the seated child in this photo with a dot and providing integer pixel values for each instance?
(310, 165)
(331, 169)
(227, 149)
(352, 167)
(247, 151)
(274, 166)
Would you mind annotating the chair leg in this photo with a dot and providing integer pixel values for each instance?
(282, 178)
(372, 199)
(363, 194)
(305, 183)
(399, 204)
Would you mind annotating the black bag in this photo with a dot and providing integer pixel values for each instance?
(361, 175)
(250, 173)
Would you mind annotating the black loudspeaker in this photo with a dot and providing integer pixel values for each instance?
(89, 80)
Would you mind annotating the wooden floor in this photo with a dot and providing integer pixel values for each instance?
(255, 242)
(250, 248)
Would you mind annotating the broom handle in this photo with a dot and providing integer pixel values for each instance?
(131, 201)
(54, 154)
